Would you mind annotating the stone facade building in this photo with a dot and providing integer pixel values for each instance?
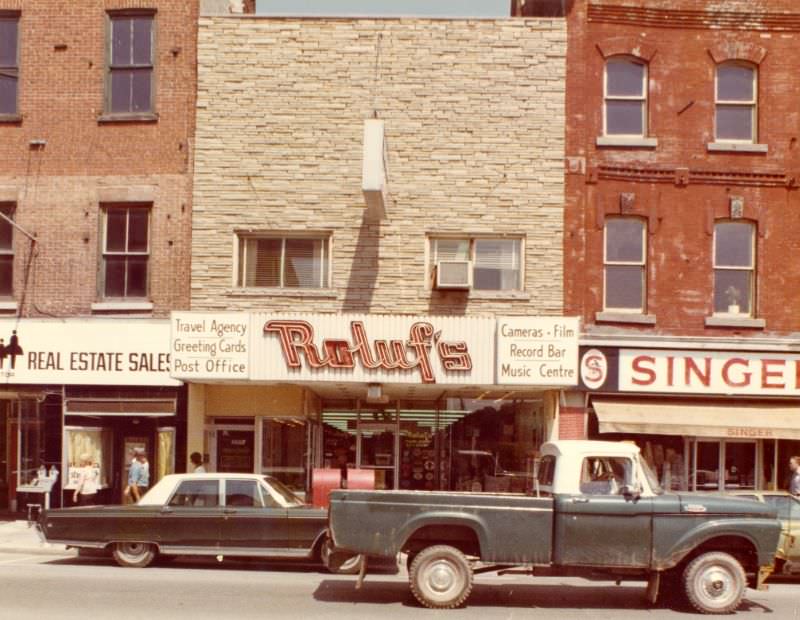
(462, 121)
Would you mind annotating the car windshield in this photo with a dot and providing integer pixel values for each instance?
(278, 487)
(652, 480)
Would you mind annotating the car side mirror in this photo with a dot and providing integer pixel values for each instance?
(631, 492)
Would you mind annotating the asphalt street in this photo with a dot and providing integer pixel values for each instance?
(41, 586)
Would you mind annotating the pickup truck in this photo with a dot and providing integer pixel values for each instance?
(596, 511)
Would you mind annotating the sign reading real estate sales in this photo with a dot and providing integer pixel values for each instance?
(76, 351)
(210, 345)
(537, 350)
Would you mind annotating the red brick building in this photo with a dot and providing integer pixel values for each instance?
(681, 222)
(96, 124)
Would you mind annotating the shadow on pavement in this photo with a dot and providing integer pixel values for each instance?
(210, 563)
(551, 596)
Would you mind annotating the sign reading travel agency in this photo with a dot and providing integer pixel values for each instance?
(85, 351)
(210, 345)
(537, 350)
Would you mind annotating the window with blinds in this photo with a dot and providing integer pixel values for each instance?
(496, 263)
(283, 262)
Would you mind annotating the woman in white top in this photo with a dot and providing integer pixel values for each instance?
(86, 491)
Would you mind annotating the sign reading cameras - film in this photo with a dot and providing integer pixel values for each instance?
(210, 345)
(537, 350)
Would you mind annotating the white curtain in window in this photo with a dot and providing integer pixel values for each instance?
(303, 263)
(451, 249)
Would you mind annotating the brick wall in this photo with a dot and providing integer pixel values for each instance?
(474, 125)
(57, 187)
(680, 187)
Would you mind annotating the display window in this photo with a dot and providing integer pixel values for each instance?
(96, 443)
(284, 451)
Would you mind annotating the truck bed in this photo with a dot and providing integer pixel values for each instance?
(507, 527)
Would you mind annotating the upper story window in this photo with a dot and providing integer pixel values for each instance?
(129, 87)
(284, 262)
(9, 64)
(495, 263)
(734, 268)
(625, 98)
(6, 252)
(126, 251)
(736, 102)
(624, 260)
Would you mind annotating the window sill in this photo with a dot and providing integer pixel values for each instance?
(641, 143)
(625, 317)
(123, 306)
(8, 306)
(314, 293)
(737, 147)
(735, 321)
(147, 117)
(521, 295)
(11, 118)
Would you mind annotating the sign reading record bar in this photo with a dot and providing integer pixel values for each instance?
(537, 351)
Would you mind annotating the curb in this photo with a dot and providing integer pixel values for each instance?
(67, 553)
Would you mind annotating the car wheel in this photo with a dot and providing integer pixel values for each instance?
(441, 577)
(134, 554)
(338, 562)
(715, 583)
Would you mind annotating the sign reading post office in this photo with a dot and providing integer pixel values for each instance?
(537, 351)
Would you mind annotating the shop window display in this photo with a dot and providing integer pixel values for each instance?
(283, 451)
(95, 442)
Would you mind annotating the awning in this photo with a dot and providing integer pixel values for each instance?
(701, 420)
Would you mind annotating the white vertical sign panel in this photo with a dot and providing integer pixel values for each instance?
(537, 351)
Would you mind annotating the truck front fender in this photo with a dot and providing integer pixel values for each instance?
(760, 535)
(445, 518)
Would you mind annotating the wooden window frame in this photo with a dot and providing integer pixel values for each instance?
(104, 253)
(751, 268)
(15, 116)
(643, 99)
(108, 114)
(752, 103)
(642, 264)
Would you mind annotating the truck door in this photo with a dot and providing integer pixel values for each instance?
(600, 526)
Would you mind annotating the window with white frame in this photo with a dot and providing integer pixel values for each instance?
(6, 251)
(496, 263)
(625, 261)
(625, 98)
(736, 99)
(283, 262)
(734, 267)
(126, 251)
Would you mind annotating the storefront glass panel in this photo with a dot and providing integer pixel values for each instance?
(284, 451)
(96, 443)
(5, 452)
(166, 453)
(31, 446)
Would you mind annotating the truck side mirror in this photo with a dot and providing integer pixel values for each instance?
(631, 492)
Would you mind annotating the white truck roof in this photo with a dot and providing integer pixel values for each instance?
(574, 447)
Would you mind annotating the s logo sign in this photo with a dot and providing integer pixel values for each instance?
(594, 369)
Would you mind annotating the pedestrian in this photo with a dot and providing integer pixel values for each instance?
(794, 483)
(197, 462)
(86, 491)
(139, 475)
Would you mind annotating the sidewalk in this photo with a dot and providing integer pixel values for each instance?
(17, 537)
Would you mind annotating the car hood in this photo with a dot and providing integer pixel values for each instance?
(710, 503)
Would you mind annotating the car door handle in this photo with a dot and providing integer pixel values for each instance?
(229, 511)
(580, 500)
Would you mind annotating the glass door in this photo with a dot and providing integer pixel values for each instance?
(377, 447)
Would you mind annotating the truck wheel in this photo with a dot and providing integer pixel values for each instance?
(440, 577)
(134, 554)
(715, 583)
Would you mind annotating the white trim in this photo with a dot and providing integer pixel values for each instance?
(625, 317)
(642, 99)
(636, 142)
(734, 321)
(622, 339)
(740, 147)
(131, 306)
(751, 103)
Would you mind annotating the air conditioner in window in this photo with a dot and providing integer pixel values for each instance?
(453, 274)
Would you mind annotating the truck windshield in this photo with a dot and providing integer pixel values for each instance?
(652, 479)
